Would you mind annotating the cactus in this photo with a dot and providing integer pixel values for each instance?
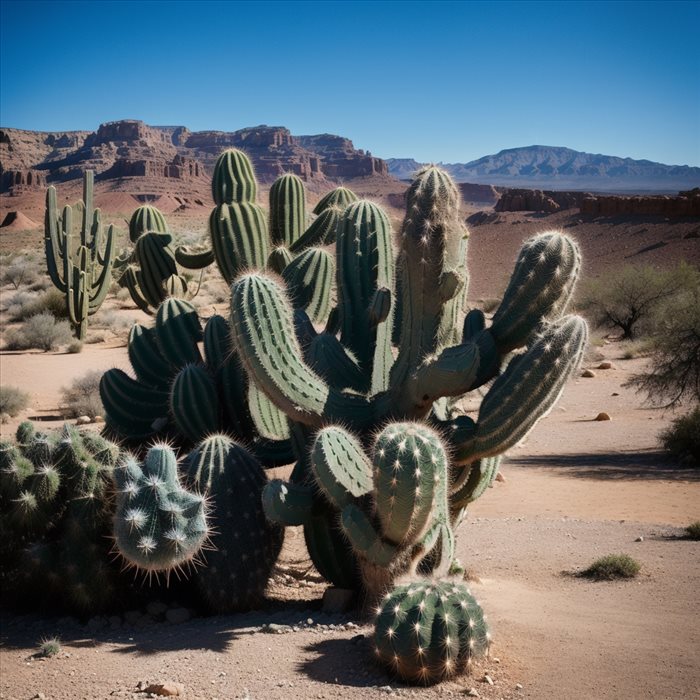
(339, 198)
(55, 522)
(182, 396)
(287, 210)
(309, 279)
(82, 270)
(158, 525)
(317, 379)
(245, 546)
(150, 271)
(427, 631)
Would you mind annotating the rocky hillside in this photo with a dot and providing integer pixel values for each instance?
(563, 168)
(173, 154)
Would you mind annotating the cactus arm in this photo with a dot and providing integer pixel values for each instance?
(365, 539)
(309, 279)
(541, 285)
(339, 198)
(194, 404)
(263, 331)
(54, 241)
(100, 287)
(287, 503)
(322, 231)
(474, 479)
(340, 467)
(194, 259)
(269, 421)
(278, 259)
(287, 210)
(89, 221)
(131, 281)
(178, 331)
(526, 391)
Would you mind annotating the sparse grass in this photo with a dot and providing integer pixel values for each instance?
(611, 567)
(49, 647)
(82, 397)
(682, 438)
(693, 531)
(42, 331)
(13, 400)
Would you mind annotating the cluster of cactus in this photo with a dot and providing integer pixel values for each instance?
(180, 396)
(348, 376)
(55, 527)
(162, 526)
(81, 268)
(427, 631)
(241, 238)
(149, 271)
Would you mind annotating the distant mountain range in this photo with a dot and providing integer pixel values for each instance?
(558, 168)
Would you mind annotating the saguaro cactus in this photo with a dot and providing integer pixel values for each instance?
(81, 269)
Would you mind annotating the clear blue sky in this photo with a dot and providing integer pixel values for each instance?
(437, 81)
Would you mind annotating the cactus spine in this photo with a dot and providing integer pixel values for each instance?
(80, 269)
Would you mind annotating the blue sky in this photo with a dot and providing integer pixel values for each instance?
(437, 81)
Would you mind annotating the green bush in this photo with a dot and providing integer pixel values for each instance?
(42, 331)
(612, 566)
(682, 437)
(635, 298)
(693, 530)
(13, 400)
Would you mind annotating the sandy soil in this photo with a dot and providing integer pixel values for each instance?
(576, 490)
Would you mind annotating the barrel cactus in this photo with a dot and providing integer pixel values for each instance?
(357, 381)
(426, 631)
(80, 269)
(55, 492)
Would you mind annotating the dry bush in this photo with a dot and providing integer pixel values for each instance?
(82, 397)
(24, 305)
(682, 438)
(113, 321)
(12, 400)
(42, 331)
(19, 271)
(612, 566)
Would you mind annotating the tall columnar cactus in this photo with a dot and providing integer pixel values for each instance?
(427, 631)
(287, 210)
(179, 395)
(55, 519)
(317, 379)
(79, 268)
(158, 524)
(245, 546)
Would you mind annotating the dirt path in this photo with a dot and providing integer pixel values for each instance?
(576, 490)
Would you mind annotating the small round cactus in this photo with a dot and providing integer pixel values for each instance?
(427, 631)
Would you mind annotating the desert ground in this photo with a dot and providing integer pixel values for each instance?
(575, 490)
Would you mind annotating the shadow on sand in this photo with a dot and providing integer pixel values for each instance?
(646, 465)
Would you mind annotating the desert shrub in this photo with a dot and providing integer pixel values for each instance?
(682, 437)
(113, 321)
(12, 400)
(24, 305)
(19, 271)
(634, 298)
(693, 530)
(612, 566)
(49, 647)
(674, 373)
(488, 306)
(75, 347)
(42, 331)
(82, 397)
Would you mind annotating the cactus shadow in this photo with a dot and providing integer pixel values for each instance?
(646, 465)
(346, 662)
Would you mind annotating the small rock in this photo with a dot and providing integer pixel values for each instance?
(605, 365)
(615, 393)
(500, 477)
(639, 539)
(83, 420)
(350, 626)
(273, 628)
(177, 616)
(309, 621)
(141, 686)
(518, 686)
(98, 419)
(587, 373)
(338, 600)
(472, 693)
(167, 688)
(488, 679)
(602, 416)
(39, 696)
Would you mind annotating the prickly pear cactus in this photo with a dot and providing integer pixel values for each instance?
(426, 631)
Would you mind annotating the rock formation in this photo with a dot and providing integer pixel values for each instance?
(548, 201)
(685, 204)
